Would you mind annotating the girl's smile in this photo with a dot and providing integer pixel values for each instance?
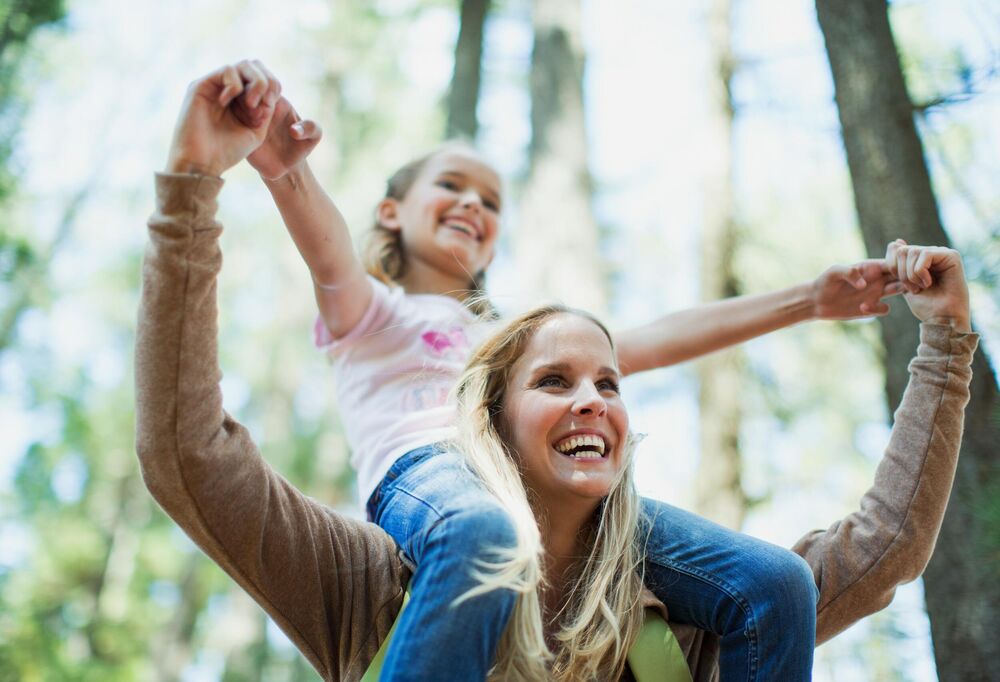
(449, 221)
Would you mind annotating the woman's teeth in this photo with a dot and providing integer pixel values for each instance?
(582, 447)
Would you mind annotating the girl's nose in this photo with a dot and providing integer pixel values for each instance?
(588, 401)
(471, 199)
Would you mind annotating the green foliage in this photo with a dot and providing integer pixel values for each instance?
(19, 19)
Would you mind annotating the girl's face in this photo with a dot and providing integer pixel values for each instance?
(449, 218)
(563, 413)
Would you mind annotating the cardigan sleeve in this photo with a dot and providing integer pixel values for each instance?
(333, 584)
(860, 560)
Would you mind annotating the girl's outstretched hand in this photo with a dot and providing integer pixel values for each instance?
(846, 292)
(934, 277)
(289, 141)
(224, 118)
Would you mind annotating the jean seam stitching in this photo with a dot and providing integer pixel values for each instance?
(741, 601)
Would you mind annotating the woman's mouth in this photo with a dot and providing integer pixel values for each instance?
(587, 446)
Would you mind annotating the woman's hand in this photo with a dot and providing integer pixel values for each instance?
(934, 278)
(845, 292)
(224, 118)
(289, 141)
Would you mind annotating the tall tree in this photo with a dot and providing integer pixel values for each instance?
(719, 493)
(894, 198)
(556, 218)
(463, 94)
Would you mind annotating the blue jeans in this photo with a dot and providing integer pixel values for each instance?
(758, 598)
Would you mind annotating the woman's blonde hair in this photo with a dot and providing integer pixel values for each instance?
(384, 256)
(603, 612)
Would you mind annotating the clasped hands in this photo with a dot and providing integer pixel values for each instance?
(235, 113)
(931, 278)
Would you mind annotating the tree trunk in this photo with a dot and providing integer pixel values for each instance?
(463, 95)
(893, 196)
(719, 492)
(557, 245)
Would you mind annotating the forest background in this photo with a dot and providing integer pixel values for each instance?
(669, 152)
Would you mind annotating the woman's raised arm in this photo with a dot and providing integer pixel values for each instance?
(333, 584)
(860, 560)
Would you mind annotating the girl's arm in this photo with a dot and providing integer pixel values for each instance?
(343, 291)
(840, 293)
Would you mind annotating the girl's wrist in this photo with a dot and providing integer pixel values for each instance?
(293, 179)
(803, 304)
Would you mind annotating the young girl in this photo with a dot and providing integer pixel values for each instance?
(400, 327)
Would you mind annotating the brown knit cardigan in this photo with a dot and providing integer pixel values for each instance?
(335, 584)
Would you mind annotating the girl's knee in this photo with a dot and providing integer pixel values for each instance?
(484, 527)
(777, 594)
(784, 585)
(795, 578)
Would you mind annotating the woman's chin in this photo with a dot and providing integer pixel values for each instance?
(586, 486)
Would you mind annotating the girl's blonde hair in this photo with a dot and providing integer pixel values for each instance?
(603, 612)
(384, 256)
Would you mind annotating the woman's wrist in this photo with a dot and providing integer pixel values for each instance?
(179, 164)
(960, 323)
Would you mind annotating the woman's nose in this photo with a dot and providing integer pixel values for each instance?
(588, 401)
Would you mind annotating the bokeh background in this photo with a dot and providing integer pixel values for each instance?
(655, 155)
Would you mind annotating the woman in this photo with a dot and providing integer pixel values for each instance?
(336, 585)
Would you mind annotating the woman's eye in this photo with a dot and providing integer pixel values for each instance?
(550, 382)
(608, 385)
(448, 184)
(492, 206)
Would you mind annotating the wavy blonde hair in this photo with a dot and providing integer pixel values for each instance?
(602, 615)
(383, 254)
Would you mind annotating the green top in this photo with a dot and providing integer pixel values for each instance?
(655, 656)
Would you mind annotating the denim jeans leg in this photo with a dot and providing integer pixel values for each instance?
(760, 599)
(444, 520)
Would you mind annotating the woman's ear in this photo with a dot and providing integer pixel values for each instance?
(387, 214)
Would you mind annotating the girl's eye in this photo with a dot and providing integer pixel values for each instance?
(492, 206)
(448, 184)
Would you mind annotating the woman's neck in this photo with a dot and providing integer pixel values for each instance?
(563, 537)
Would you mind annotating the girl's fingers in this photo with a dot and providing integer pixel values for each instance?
(893, 289)
(880, 309)
(854, 277)
(306, 130)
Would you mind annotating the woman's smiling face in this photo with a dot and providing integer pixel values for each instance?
(563, 414)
